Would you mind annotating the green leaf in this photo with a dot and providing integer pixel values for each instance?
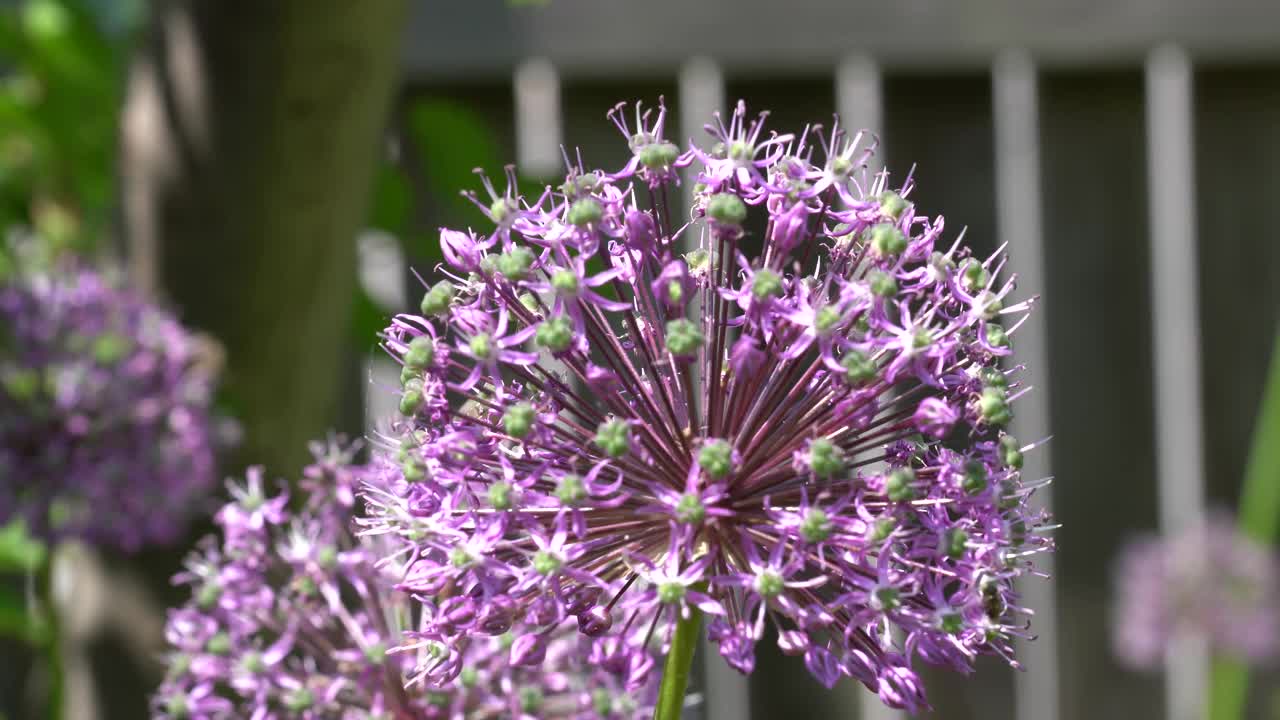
(1259, 517)
(17, 620)
(19, 552)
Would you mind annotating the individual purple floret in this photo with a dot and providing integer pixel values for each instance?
(1211, 581)
(784, 408)
(105, 429)
(294, 617)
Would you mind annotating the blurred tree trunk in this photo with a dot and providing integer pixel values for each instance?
(251, 131)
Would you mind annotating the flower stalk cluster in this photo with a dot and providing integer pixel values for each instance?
(294, 616)
(1211, 581)
(105, 422)
(787, 408)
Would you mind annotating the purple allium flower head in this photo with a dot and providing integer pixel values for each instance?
(618, 414)
(1210, 580)
(294, 616)
(105, 429)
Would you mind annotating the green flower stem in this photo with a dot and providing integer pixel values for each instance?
(675, 672)
(1259, 516)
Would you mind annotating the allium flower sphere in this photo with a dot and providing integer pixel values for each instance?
(1210, 580)
(785, 408)
(105, 430)
(293, 616)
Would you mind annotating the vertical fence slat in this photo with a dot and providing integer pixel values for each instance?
(1176, 338)
(701, 94)
(1016, 119)
(539, 125)
(860, 100)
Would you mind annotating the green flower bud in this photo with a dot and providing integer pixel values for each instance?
(921, 338)
(501, 209)
(529, 302)
(602, 701)
(657, 156)
(571, 491)
(515, 263)
(586, 211)
(481, 346)
(501, 495)
(827, 318)
(993, 377)
(614, 438)
(741, 151)
(545, 563)
(887, 240)
(110, 348)
(954, 542)
(882, 528)
(408, 374)
(251, 662)
(219, 644)
(690, 510)
(555, 333)
(716, 458)
(951, 623)
(766, 284)
(993, 406)
(177, 707)
(411, 398)
(299, 699)
(683, 338)
(858, 368)
(727, 209)
(996, 336)
(892, 204)
(469, 677)
(208, 594)
(699, 261)
(975, 477)
(675, 292)
(327, 557)
(565, 283)
(1011, 452)
(421, 353)
(375, 653)
(437, 300)
(974, 277)
(815, 526)
(825, 459)
(887, 598)
(768, 584)
(530, 699)
(882, 284)
(670, 592)
(898, 484)
(460, 558)
(518, 420)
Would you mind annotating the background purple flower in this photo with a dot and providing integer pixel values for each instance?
(105, 429)
(293, 616)
(802, 428)
(1210, 580)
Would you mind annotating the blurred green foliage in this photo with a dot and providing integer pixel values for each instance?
(61, 80)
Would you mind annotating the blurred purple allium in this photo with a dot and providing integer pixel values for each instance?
(293, 616)
(785, 408)
(105, 430)
(1210, 580)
